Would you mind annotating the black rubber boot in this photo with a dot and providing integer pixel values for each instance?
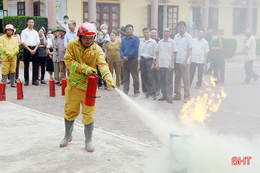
(68, 133)
(4, 77)
(88, 135)
(12, 78)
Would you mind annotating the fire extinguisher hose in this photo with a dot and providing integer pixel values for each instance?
(93, 96)
(100, 77)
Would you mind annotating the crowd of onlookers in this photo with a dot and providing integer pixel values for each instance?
(158, 60)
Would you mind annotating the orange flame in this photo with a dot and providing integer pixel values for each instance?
(200, 108)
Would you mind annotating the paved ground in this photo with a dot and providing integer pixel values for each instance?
(29, 142)
(121, 139)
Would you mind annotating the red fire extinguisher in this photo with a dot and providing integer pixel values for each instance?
(52, 87)
(2, 91)
(19, 89)
(91, 90)
(63, 86)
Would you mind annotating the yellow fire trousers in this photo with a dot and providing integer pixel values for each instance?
(73, 98)
(8, 66)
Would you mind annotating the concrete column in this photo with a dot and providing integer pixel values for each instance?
(28, 7)
(154, 14)
(51, 13)
(249, 16)
(205, 16)
(92, 11)
(45, 8)
(165, 16)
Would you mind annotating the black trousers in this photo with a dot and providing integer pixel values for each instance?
(42, 62)
(219, 69)
(156, 78)
(35, 64)
(166, 81)
(148, 85)
(193, 67)
(249, 71)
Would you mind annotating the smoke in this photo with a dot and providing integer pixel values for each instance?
(192, 150)
(205, 152)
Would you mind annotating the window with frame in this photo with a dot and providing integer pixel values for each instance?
(212, 19)
(160, 19)
(172, 18)
(20, 8)
(239, 20)
(36, 8)
(197, 17)
(108, 13)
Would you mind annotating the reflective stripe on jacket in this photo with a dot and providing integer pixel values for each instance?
(78, 59)
(9, 47)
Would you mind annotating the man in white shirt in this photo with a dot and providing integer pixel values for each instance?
(165, 57)
(155, 72)
(198, 57)
(250, 55)
(147, 55)
(31, 42)
(182, 65)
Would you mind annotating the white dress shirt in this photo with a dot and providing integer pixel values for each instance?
(147, 49)
(64, 24)
(200, 47)
(49, 43)
(30, 37)
(250, 44)
(166, 49)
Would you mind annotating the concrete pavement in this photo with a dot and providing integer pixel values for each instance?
(29, 142)
(27, 120)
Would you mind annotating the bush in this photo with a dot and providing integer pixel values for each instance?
(258, 46)
(21, 23)
(230, 47)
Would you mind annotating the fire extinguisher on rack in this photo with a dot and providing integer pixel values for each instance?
(63, 86)
(52, 87)
(91, 90)
(19, 85)
(2, 91)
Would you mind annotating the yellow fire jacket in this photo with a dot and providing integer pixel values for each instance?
(78, 59)
(9, 47)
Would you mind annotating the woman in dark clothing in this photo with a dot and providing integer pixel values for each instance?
(42, 53)
(49, 66)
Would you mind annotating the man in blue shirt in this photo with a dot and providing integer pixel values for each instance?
(182, 63)
(129, 54)
(71, 34)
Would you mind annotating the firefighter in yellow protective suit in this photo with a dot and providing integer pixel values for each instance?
(9, 49)
(81, 58)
